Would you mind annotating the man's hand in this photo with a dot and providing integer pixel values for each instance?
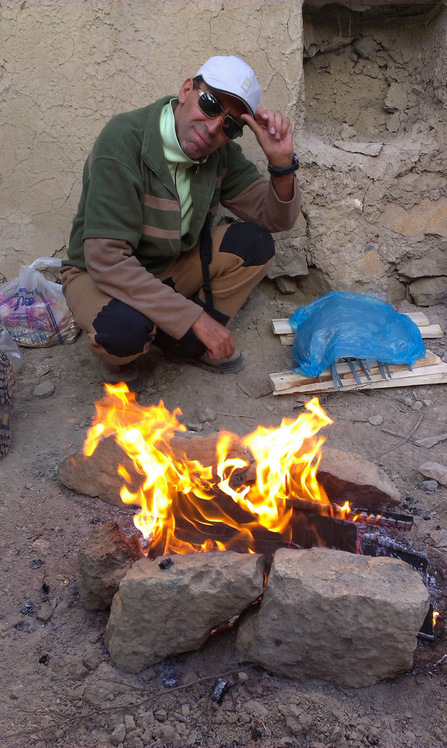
(218, 340)
(273, 132)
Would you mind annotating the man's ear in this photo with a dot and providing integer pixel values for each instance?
(185, 89)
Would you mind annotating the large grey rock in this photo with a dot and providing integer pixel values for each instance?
(347, 476)
(429, 291)
(97, 475)
(161, 612)
(103, 561)
(290, 261)
(337, 617)
(432, 262)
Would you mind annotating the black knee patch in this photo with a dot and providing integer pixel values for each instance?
(250, 242)
(122, 330)
(189, 345)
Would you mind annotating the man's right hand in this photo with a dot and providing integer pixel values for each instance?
(217, 338)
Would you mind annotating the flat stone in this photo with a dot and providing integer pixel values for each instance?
(290, 260)
(347, 476)
(365, 47)
(427, 217)
(103, 561)
(430, 441)
(44, 389)
(432, 263)
(160, 613)
(336, 617)
(429, 291)
(434, 470)
(97, 475)
(375, 420)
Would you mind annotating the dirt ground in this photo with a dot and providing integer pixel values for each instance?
(58, 685)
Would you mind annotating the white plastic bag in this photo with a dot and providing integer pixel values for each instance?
(10, 347)
(33, 310)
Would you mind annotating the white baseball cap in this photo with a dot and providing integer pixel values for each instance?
(233, 76)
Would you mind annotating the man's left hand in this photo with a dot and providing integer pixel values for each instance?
(273, 132)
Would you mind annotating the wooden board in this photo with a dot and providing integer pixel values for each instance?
(428, 331)
(428, 370)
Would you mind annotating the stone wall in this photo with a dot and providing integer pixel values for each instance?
(364, 87)
(374, 148)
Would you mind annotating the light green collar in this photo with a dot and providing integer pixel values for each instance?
(171, 147)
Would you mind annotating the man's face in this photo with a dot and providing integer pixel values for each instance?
(198, 134)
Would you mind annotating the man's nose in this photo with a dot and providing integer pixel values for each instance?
(214, 125)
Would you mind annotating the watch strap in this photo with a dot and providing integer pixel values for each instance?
(278, 172)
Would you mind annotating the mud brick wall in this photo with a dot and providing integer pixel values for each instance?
(364, 85)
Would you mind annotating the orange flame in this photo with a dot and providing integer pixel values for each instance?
(178, 495)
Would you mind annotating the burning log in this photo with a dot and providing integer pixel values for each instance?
(224, 487)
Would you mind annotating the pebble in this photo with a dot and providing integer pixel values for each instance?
(42, 370)
(118, 734)
(207, 414)
(417, 405)
(44, 389)
(194, 426)
(45, 611)
(429, 485)
(375, 420)
(129, 723)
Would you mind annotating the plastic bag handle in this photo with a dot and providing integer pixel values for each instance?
(45, 262)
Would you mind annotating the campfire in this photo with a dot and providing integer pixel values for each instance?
(234, 496)
(250, 494)
(229, 514)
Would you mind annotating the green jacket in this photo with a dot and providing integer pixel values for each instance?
(128, 192)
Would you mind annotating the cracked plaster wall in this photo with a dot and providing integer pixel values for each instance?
(365, 89)
(66, 67)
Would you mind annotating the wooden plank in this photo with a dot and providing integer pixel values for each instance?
(432, 331)
(285, 379)
(428, 370)
(429, 377)
(282, 328)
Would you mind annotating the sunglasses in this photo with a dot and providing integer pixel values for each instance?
(213, 108)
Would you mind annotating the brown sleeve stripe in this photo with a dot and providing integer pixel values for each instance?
(158, 233)
(160, 203)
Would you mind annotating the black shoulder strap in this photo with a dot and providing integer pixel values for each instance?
(206, 251)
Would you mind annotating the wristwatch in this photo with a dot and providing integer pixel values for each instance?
(277, 172)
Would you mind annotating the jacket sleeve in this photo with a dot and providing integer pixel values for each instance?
(259, 203)
(113, 268)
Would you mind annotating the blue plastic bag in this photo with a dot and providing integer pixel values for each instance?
(352, 325)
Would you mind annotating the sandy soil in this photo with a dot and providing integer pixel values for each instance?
(58, 685)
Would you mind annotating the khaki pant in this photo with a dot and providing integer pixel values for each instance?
(232, 279)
